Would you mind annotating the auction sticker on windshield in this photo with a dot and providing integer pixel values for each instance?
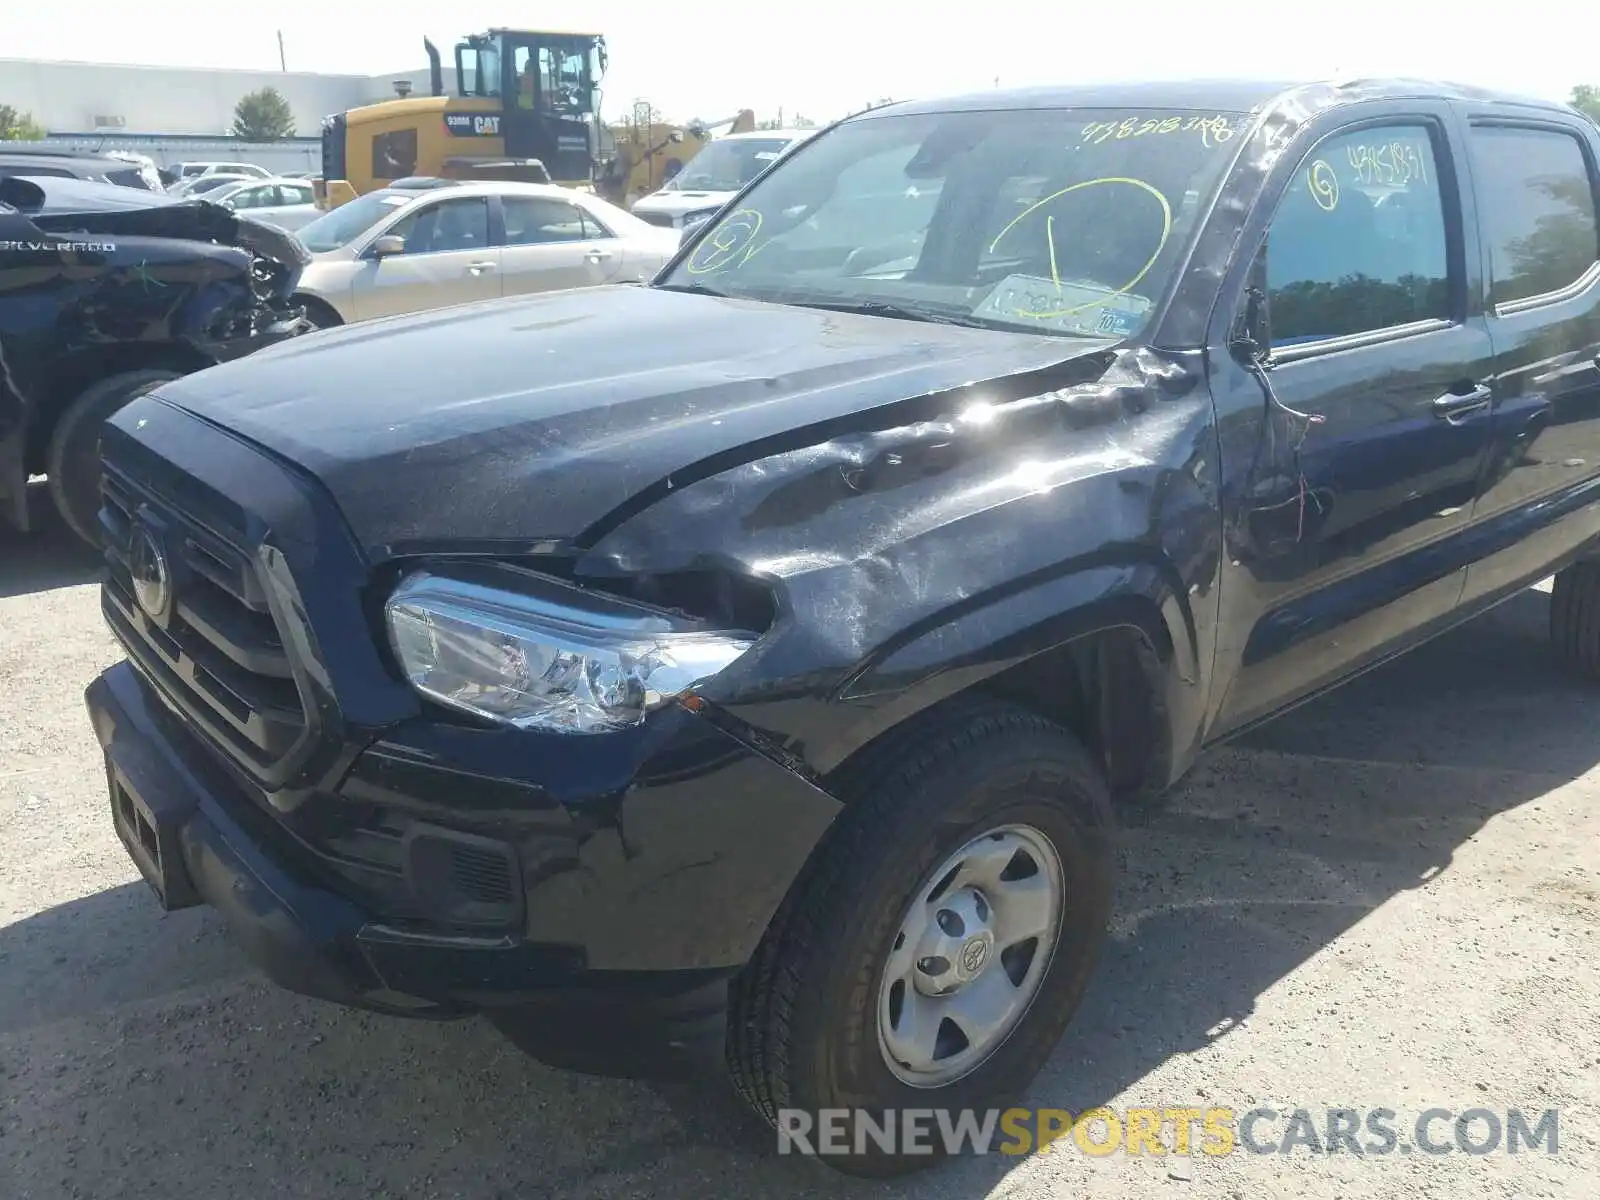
(1081, 308)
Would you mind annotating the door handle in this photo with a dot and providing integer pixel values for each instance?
(1456, 407)
(598, 255)
(478, 268)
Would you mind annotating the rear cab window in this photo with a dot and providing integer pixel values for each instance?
(1536, 199)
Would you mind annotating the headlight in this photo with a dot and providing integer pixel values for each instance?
(693, 220)
(553, 657)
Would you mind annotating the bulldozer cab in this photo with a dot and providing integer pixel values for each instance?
(546, 87)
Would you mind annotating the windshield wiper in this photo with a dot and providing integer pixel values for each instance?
(877, 308)
(885, 308)
(694, 289)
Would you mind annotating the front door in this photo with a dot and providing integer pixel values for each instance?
(448, 259)
(520, 124)
(1347, 470)
(552, 244)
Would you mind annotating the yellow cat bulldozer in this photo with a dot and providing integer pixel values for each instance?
(525, 106)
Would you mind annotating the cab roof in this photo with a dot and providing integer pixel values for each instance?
(1226, 95)
(583, 33)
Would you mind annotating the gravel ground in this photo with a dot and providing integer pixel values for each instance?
(1386, 900)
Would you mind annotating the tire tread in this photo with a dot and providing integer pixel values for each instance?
(1575, 616)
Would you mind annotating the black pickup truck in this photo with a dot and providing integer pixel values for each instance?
(759, 659)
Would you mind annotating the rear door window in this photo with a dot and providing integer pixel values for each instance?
(536, 221)
(1537, 199)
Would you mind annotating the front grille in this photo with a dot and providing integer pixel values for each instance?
(664, 220)
(216, 652)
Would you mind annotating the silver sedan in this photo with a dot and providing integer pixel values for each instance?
(281, 201)
(432, 243)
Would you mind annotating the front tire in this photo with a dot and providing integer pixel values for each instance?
(72, 462)
(972, 819)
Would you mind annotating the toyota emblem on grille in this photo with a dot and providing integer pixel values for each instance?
(152, 580)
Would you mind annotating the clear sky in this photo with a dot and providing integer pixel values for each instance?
(709, 58)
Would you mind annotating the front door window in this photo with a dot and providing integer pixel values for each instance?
(1358, 242)
(449, 225)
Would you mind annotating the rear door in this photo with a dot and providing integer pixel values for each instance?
(1536, 182)
(448, 259)
(1348, 477)
(552, 244)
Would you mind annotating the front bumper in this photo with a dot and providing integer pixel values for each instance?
(624, 957)
(193, 848)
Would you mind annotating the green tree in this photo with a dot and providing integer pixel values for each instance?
(18, 126)
(1586, 99)
(263, 116)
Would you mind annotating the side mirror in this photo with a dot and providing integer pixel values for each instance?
(676, 136)
(389, 243)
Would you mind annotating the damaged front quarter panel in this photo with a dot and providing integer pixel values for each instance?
(915, 557)
(96, 280)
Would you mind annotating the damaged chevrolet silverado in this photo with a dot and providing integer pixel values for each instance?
(758, 660)
(106, 292)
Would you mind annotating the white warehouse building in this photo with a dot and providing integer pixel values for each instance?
(72, 99)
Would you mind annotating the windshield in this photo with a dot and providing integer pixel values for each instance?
(1059, 221)
(727, 165)
(341, 226)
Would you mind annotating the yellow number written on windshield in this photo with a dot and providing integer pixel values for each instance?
(1212, 130)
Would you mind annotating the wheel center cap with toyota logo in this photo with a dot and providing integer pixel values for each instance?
(152, 578)
(975, 954)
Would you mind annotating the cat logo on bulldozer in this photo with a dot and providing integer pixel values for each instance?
(473, 124)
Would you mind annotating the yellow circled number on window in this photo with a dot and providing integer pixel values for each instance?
(734, 236)
(1055, 272)
(1324, 185)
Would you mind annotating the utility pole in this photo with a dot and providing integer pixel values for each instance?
(282, 65)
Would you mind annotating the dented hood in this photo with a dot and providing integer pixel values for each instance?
(531, 420)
